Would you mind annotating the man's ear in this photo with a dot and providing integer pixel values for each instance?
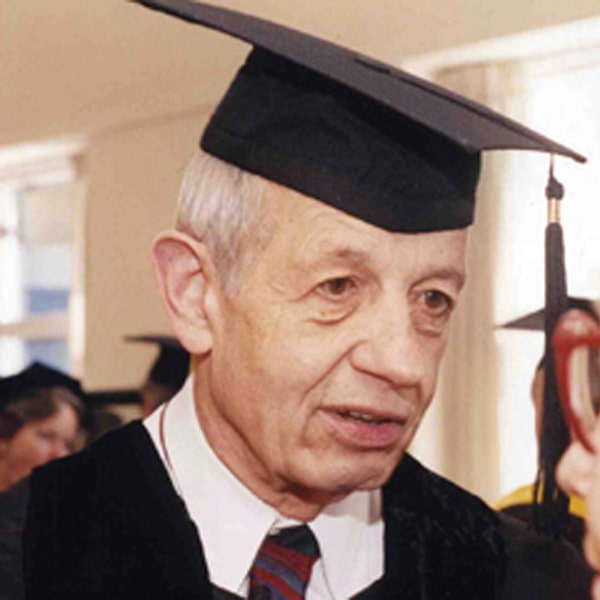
(186, 275)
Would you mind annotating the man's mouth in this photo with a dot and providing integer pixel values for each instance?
(364, 417)
(366, 428)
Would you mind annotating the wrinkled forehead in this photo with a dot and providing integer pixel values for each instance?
(304, 225)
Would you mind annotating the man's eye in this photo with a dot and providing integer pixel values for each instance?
(437, 302)
(337, 287)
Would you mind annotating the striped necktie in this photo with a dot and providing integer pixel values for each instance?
(283, 565)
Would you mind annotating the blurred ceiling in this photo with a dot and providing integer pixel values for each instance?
(78, 67)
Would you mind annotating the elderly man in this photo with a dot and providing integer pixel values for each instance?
(318, 256)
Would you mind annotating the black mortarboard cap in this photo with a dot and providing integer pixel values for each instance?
(172, 365)
(366, 138)
(35, 376)
(535, 321)
(121, 396)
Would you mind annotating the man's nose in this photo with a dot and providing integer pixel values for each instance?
(391, 350)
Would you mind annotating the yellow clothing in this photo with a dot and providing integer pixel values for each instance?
(524, 495)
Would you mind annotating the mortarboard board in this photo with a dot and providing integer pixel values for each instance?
(172, 365)
(535, 321)
(121, 396)
(366, 138)
(35, 376)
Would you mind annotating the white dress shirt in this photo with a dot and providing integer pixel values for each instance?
(232, 522)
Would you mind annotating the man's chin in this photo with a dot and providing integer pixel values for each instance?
(368, 477)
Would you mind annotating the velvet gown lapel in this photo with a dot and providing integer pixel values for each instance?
(165, 523)
(440, 542)
(119, 520)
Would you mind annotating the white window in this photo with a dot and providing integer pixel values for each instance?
(40, 258)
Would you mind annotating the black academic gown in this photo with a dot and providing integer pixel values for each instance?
(12, 513)
(521, 508)
(106, 524)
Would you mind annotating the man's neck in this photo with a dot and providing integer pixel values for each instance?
(293, 503)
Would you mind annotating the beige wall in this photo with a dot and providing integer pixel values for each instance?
(72, 66)
(133, 177)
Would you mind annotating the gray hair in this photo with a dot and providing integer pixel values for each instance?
(221, 205)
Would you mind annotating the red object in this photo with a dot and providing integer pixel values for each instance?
(574, 330)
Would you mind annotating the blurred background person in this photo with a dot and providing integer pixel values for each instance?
(519, 503)
(107, 409)
(579, 470)
(40, 420)
(167, 373)
(40, 416)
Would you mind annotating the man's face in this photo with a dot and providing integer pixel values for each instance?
(324, 363)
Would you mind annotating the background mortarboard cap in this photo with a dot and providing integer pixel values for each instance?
(172, 365)
(34, 377)
(121, 396)
(535, 321)
(550, 508)
(360, 135)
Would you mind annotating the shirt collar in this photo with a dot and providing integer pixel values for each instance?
(350, 535)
